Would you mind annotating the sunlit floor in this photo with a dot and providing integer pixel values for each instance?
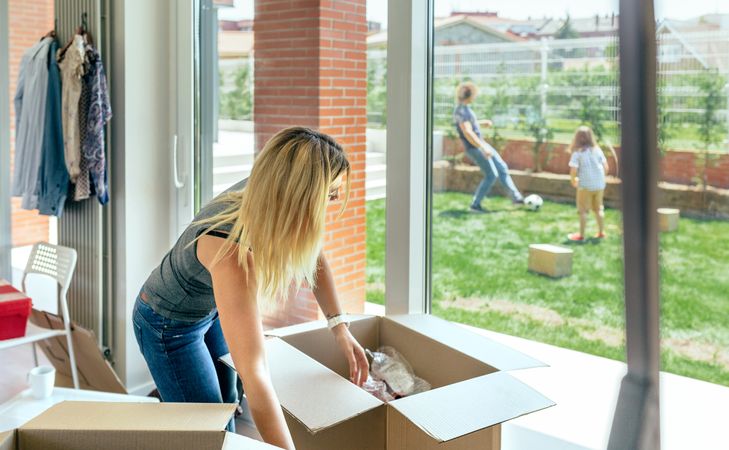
(585, 388)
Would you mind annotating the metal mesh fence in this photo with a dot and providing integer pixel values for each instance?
(562, 83)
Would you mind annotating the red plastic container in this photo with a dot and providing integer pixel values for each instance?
(14, 311)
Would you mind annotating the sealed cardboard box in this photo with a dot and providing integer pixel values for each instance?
(117, 426)
(472, 392)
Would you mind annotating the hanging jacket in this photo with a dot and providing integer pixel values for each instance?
(95, 112)
(30, 110)
(72, 69)
(53, 176)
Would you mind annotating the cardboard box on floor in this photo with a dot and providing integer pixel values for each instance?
(472, 393)
(117, 426)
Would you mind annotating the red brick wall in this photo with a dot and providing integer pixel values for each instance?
(677, 166)
(311, 70)
(29, 20)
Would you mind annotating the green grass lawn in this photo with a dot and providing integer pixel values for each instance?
(480, 278)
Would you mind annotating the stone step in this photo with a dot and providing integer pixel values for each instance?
(375, 158)
(376, 172)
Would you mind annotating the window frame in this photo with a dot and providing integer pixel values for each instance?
(6, 241)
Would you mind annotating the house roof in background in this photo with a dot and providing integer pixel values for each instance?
(379, 39)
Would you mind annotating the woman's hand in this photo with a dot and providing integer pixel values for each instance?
(359, 368)
(487, 152)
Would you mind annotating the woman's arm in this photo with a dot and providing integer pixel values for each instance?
(236, 300)
(326, 295)
(473, 138)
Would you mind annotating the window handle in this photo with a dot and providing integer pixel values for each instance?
(178, 183)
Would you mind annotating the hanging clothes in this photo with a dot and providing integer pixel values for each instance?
(95, 113)
(82, 187)
(53, 176)
(72, 68)
(30, 110)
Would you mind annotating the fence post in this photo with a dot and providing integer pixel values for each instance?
(726, 111)
(543, 87)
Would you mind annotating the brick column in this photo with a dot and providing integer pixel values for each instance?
(311, 70)
(28, 21)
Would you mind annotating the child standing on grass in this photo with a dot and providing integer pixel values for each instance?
(588, 167)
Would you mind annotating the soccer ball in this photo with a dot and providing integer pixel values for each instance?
(533, 202)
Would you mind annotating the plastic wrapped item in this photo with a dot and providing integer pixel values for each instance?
(378, 388)
(391, 367)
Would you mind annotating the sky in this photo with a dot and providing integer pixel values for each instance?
(522, 9)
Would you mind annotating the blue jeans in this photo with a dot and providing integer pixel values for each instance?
(183, 357)
(488, 166)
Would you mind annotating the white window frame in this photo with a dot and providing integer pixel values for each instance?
(6, 241)
(182, 121)
(406, 274)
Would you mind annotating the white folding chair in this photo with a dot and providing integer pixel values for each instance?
(58, 263)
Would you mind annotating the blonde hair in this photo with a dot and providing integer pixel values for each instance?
(583, 138)
(280, 215)
(466, 90)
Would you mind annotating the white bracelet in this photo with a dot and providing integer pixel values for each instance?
(337, 320)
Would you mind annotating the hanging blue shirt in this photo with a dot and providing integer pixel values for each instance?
(30, 110)
(53, 178)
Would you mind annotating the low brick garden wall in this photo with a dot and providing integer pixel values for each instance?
(677, 166)
(691, 200)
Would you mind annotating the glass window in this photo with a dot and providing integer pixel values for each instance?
(512, 90)
(693, 136)
(27, 226)
(262, 69)
(537, 77)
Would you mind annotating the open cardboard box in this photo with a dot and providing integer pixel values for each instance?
(472, 393)
(117, 426)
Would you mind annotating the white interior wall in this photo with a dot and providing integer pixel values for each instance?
(141, 164)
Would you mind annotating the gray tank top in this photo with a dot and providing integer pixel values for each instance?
(180, 288)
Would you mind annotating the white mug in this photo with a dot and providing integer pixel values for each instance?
(41, 380)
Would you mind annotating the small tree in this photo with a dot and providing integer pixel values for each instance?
(532, 120)
(590, 107)
(712, 129)
(377, 92)
(664, 125)
(236, 102)
(495, 105)
(566, 31)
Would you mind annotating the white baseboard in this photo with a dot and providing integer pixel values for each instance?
(142, 389)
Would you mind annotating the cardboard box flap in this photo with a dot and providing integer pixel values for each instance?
(94, 372)
(237, 442)
(308, 326)
(453, 411)
(7, 438)
(133, 416)
(309, 391)
(496, 355)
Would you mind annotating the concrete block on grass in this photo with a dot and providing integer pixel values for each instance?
(551, 260)
(668, 219)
